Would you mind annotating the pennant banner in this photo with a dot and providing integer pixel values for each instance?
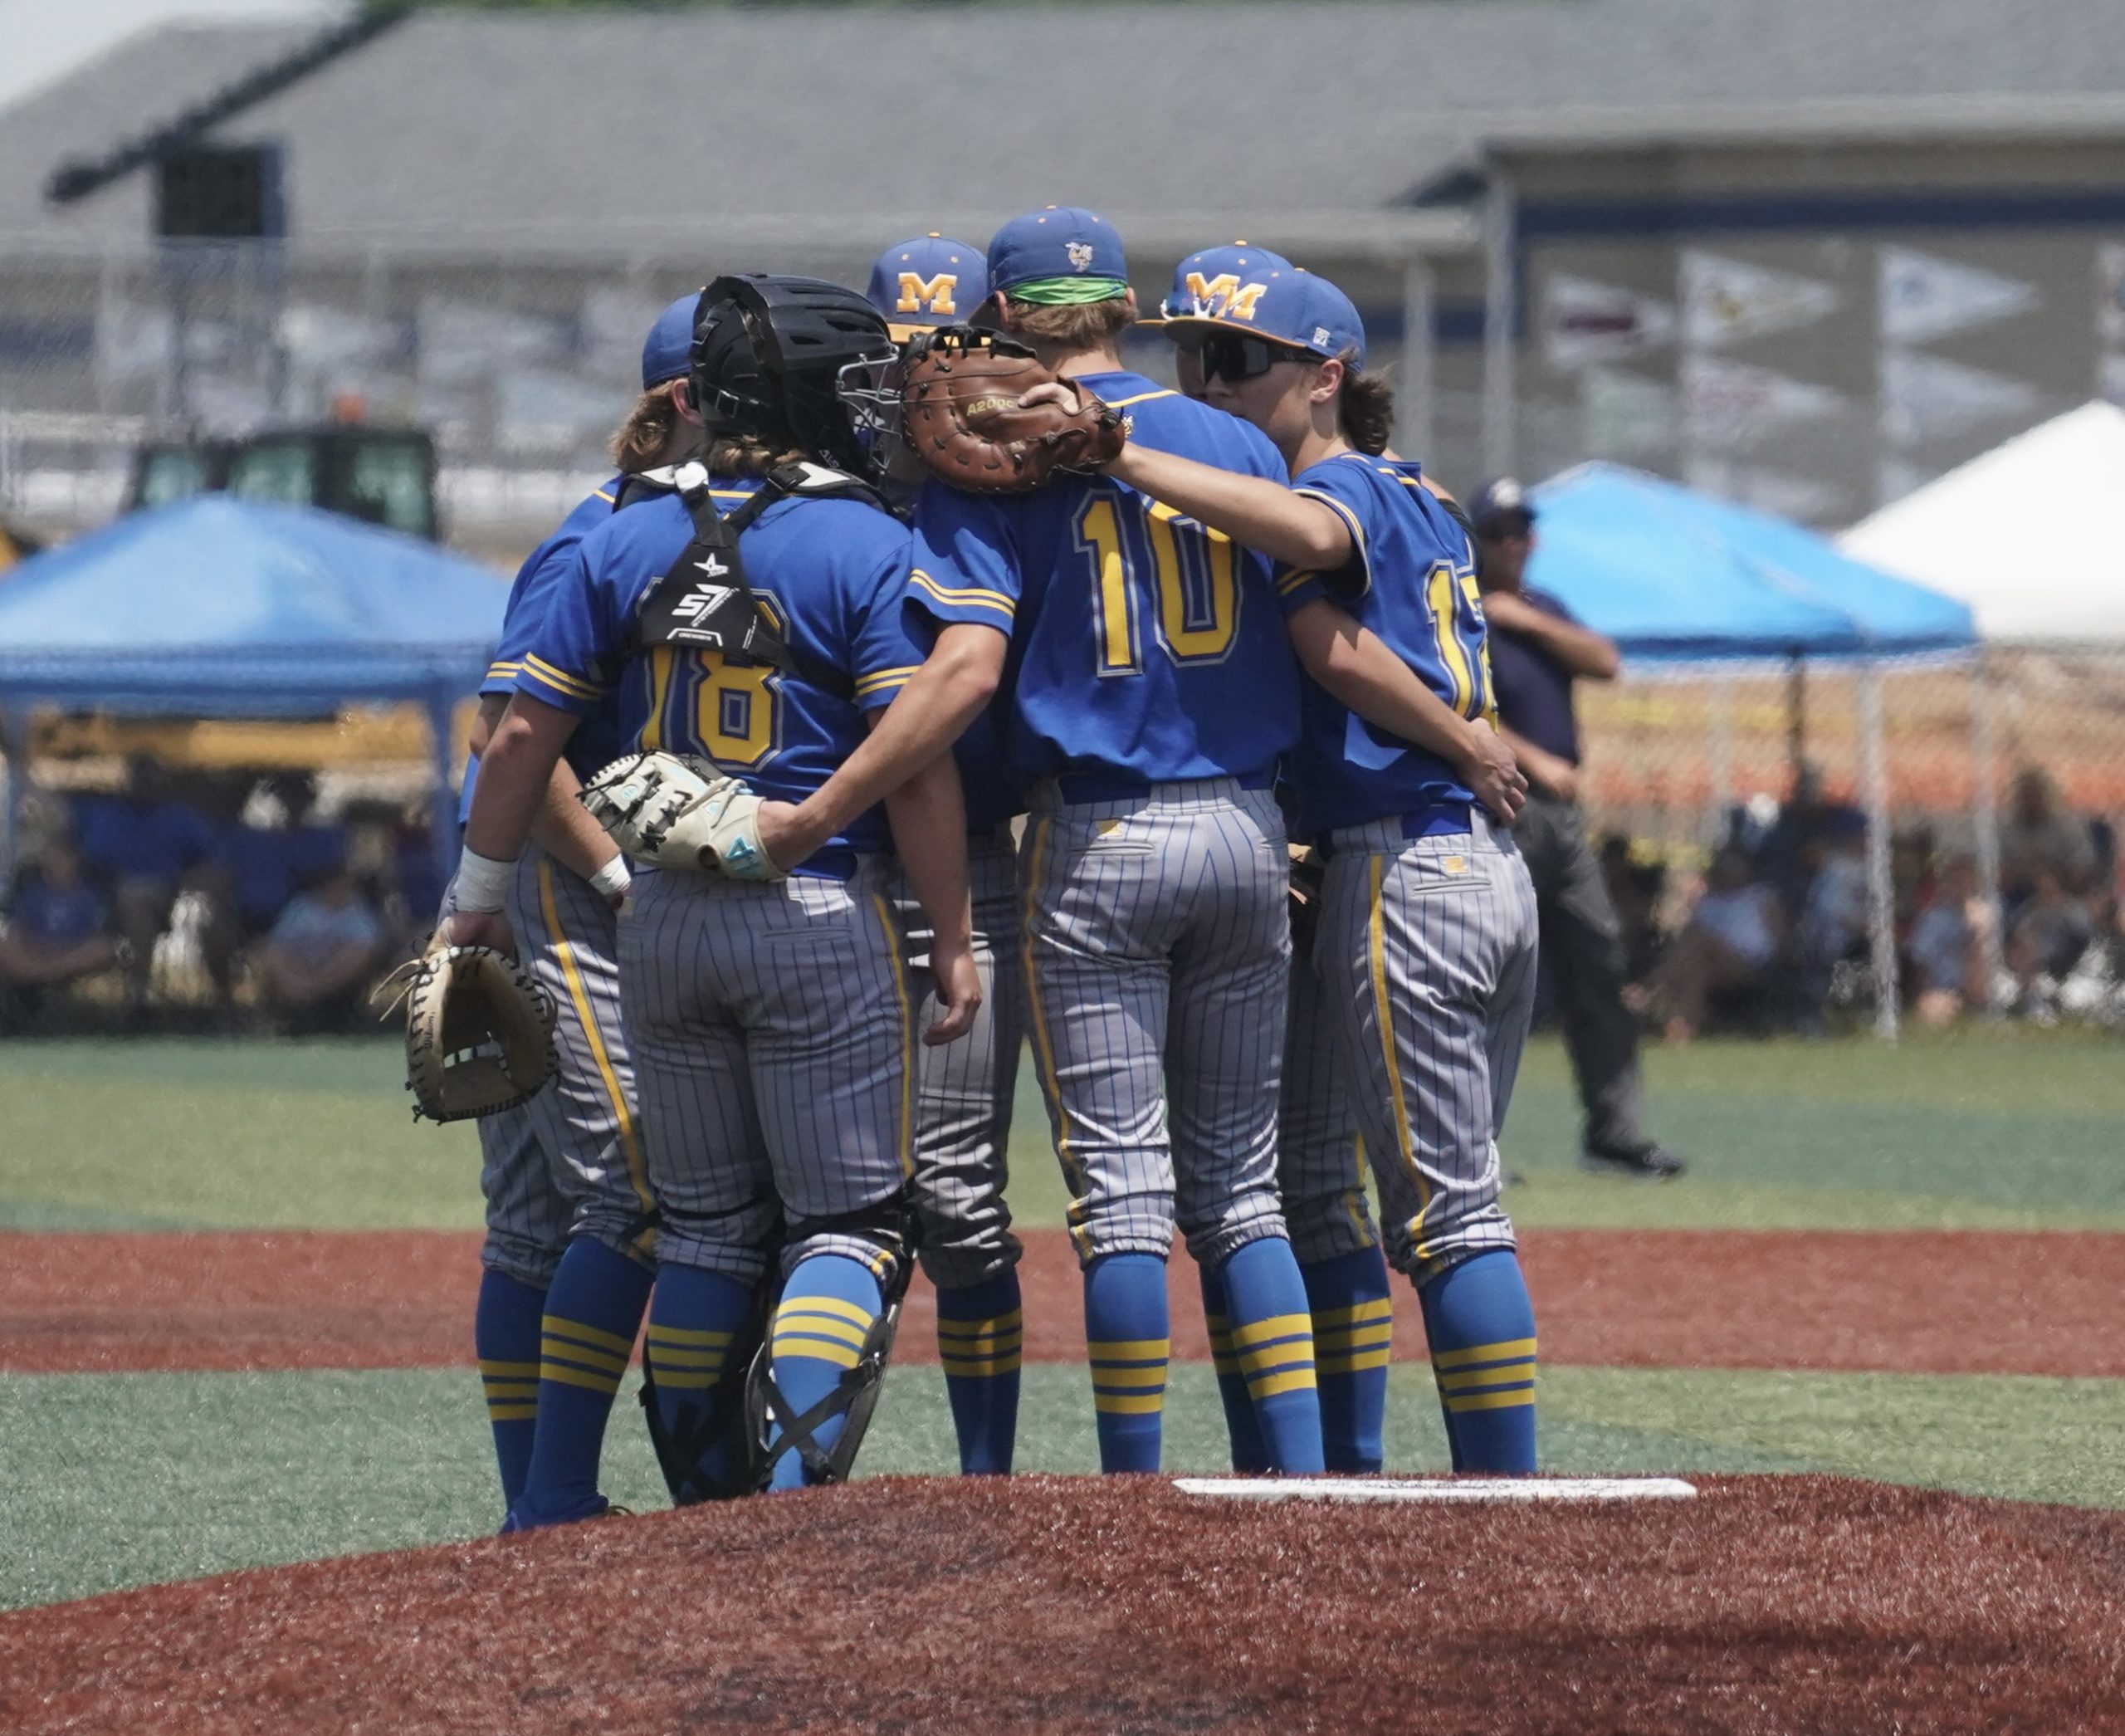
(1727, 301)
(1726, 401)
(1926, 396)
(1585, 322)
(1924, 297)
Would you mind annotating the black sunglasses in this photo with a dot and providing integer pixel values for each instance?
(1233, 356)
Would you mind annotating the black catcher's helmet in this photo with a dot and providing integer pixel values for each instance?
(770, 353)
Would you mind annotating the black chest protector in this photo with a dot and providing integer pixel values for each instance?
(703, 603)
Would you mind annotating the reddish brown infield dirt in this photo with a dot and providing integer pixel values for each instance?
(1986, 1302)
(1767, 1604)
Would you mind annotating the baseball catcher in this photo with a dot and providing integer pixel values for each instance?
(962, 416)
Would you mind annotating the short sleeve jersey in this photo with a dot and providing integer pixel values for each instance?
(1412, 580)
(832, 576)
(1142, 644)
(596, 742)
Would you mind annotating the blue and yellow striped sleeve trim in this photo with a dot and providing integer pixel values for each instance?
(949, 603)
(541, 680)
(1361, 561)
(884, 684)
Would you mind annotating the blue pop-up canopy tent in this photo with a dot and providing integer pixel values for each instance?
(1675, 576)
(219, 607)
(1672, 575)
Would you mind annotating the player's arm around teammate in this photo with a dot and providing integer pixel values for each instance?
(772, 1020)
(1426, 943)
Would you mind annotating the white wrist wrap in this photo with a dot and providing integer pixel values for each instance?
(482, 882)
(612, 880)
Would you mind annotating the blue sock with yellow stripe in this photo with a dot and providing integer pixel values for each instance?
(825, 1314)
(1248, 1455)
(505, 1339)
(1273, 1338)
(980, 1338)
(1481, 1326)
(1126, 1339)
(1353, 1324)
(593, 1309)
(695, 1318)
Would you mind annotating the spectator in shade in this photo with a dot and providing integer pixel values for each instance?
(1941, 950)
(318, 960)
(1833, 920)
(2038, 832)
(1537, 650)
(59, 929)
(2045, 939)
(258, 869)
(1732, 937)
(142, 849)
(1802, 837)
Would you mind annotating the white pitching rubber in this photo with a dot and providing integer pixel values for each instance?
(1443, 1490)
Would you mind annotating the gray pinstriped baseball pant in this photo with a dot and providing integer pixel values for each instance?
(1158, 950)
(772, 1028)
(1426, 954)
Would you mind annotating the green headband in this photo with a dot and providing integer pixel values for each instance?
(1067, 291)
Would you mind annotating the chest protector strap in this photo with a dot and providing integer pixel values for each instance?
(703, 603)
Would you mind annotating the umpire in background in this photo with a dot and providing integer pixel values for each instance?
(1537, 651)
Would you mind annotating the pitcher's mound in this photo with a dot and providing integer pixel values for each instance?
(1058, 1604)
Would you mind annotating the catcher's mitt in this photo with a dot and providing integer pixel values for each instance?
(479, 1032)
(960, 415)
(680, 812)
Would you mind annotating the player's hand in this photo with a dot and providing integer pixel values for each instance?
(959, 991)
(1493, 774)
(478, 928)
(785, 834)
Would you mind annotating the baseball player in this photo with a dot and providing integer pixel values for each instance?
(1204, 282)
(772, 1021)
(964, 1090)
(1151, 691)
(567, 1258)
(1425, 947)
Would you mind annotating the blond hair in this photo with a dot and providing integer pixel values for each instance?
(1079, 325)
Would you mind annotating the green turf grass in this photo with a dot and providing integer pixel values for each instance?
(2000, 1129)
(124, 1479)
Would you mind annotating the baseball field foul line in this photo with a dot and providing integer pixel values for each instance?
(1461, 1489)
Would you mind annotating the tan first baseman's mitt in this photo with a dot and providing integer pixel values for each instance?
(960, 415)
(680, 812)
(479, 1032)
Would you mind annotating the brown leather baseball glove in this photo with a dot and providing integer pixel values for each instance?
(479, 1031)
(960, 414)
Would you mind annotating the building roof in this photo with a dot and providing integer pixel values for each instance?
(610, 131)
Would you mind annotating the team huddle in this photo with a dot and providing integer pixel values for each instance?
(819, 771)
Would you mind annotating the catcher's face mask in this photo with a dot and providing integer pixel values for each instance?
(869, 391)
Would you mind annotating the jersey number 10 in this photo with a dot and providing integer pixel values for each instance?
(1190, 572)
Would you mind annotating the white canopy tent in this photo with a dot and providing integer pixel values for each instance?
(2031, 535)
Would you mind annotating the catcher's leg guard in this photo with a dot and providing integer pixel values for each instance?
(815, 1383)
(704, 1329)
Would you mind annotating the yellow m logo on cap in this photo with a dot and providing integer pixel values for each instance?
(921, 294)
(1238, 298)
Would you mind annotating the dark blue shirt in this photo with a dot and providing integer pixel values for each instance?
(1533, 688)
(152, 840)
(58, 918)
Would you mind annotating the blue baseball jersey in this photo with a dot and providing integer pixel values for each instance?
(1143, 645)
(830, 575)
(598, 741)
(1412, 580)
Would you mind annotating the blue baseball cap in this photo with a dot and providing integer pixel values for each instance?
(1203, 280)
(667, 353)
(1061, 243)
(928, 281)
(1294, 307)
